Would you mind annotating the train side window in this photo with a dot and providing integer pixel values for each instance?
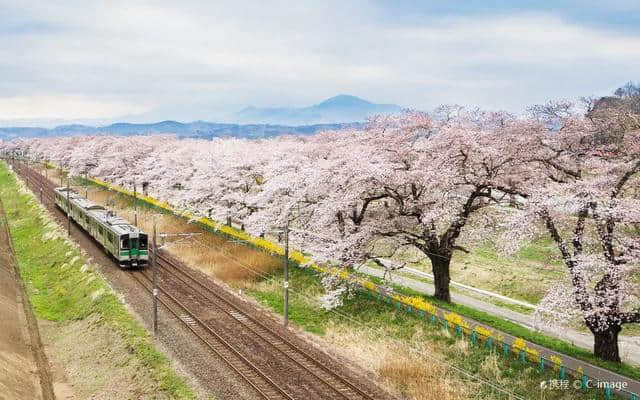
(124, 243)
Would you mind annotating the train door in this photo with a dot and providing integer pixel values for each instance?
(124, 247)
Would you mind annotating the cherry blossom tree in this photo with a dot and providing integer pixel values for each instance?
(415, 182)
(584, 194)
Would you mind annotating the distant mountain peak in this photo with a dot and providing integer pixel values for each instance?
(344, 100)
(337, 109)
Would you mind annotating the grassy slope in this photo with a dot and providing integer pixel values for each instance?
(60, 291)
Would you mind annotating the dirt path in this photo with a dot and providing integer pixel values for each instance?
(24, 369)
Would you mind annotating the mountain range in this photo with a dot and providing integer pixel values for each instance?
(338, 112)
(197, 129)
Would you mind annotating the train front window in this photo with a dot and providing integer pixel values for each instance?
(134, 243)
(124, 242)
(142, 242)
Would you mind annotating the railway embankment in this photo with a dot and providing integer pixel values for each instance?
(96, 348)
(24, 369)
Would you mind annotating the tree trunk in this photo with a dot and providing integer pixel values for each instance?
(606, 344)
(441, 278)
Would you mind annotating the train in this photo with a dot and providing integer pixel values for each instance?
(124, 242)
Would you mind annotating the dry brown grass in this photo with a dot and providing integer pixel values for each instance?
(211, 254)
(417, 378)
(54, 176)
(492, 368)
(409, 373)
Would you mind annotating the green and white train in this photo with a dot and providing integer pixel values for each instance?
(126, 243)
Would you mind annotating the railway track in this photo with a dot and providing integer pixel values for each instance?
(232, 333)
(264, 385)
(340, 386)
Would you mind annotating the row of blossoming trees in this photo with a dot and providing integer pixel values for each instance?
(435, 184)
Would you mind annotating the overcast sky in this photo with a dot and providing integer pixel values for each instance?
(147, 61)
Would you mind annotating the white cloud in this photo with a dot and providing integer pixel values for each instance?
(67, 107)
(205, 58)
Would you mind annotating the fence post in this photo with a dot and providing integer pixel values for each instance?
(459, 331)
(562, 372)
(505, 348)
(474, 337)
(607, 392)
(522, 358)
(541, 364)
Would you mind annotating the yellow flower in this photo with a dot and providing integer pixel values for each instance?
(557, 363)
(518, 344)
(454, 319)
(533, 354)
(483, 332)
(369, 285)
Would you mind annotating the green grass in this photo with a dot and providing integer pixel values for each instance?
(542, 250)
(524, 333)
(59, 291)
(361, 311)
(304, 313)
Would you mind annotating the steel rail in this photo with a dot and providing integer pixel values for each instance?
(281, 392)
(218, 298)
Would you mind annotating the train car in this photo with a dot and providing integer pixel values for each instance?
(126, 243)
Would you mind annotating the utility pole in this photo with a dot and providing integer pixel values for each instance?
(135, 204)
(286, 273)
(68, 207)
(154, 292)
